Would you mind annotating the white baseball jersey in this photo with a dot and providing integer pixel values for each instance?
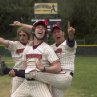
(43, 52)
(36, 88)
(16, 48)
(66, 55)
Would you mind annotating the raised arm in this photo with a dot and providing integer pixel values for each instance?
(71, 31)
(17, 23)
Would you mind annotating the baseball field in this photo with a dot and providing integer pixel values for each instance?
(84, 82)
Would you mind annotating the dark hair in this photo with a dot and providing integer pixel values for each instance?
(40, 23)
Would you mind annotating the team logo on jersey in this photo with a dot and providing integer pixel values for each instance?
(59, 50)
(18, 51)
(39, 56)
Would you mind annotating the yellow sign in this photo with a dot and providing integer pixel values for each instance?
(45, 8)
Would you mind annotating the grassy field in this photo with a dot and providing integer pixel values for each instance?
(84, 82)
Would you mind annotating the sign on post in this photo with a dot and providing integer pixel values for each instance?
(45, 8)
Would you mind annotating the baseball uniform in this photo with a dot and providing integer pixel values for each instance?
(35, 88)
(16, 48)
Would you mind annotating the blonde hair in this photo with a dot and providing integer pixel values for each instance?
(25, 30)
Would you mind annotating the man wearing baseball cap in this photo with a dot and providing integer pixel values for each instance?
(65, 50)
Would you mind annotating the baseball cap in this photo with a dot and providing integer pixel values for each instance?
(55, 26)
(40, 23)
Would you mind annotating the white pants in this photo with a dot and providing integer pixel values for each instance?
(59, 82)
(16, 82)
(58, 92)
(32, 89)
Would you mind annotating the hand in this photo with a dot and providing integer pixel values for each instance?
(12, 73)
(39, 65)
(71, 31)
(16, 23)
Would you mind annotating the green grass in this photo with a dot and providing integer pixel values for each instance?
(85, 78)
(5, 86)
(5, 81)
(84, 83)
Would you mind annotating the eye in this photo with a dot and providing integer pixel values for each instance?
(22, 35)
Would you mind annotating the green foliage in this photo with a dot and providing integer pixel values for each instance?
(11, 10)
(82, 14)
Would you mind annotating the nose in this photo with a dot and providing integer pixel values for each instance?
(41, 28)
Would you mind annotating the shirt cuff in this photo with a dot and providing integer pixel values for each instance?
(70, 43)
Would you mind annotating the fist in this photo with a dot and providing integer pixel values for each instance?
(16, 23)
(70, 29)
(12, 73)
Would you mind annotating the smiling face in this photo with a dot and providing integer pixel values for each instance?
(58, 35)
(40, 32)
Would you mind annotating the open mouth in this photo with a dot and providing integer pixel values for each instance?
(40, 33)
(58, 37)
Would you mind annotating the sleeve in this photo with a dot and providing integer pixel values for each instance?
(70, 43)
(12, 45)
